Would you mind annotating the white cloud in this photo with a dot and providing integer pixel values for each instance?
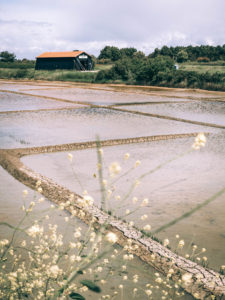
(29, 27)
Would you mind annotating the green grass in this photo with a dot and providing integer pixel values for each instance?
(58, 75)
(100, 67)
(211, 67)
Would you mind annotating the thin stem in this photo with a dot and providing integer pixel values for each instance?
(154, 170)
(190, 212)
(13, 236)
(76, 177)
(100, 174)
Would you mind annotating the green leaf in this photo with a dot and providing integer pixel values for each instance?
(76, 296)
(25, 295)
(91, 285)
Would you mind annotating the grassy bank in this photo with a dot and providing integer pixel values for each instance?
(58, 75)
(211, 67)
(208, 76)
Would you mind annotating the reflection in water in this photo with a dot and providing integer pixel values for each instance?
(12, 102)
(59, 127)
(211, 112)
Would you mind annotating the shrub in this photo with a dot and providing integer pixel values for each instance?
(21, 73)
(203, 59)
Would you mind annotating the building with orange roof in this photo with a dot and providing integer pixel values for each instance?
(72, 60)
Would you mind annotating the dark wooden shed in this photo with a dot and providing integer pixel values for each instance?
(73, 60)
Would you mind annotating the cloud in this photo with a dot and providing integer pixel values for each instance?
(29, 27)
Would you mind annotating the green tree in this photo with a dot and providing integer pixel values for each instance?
(129, 52)
(6, 56)
(182, 56)
(110, 52)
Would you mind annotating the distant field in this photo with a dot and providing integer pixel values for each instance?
(212, 67)
(99, 67)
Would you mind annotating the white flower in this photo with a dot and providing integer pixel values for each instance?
(88, 200)
(111, 237)
(54, 271)
(148, 292)
(147, 227)
(41, 200)
(144, 217)
(166, 242)
(38, 183)
(4, 242)
(181, 244)
(104, 182)
(70, 157)
(187, 277)
(39, 189)
(35, 230)
(77, 234)
(158, 280)
(25, 193)
(114, 168)
(100, 151)
(199, 142)
(137, 163)
(135, 200)
(144, 202)
(126, 156)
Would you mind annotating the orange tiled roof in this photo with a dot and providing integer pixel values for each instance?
(60, 54)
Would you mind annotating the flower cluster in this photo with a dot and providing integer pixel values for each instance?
(199, 142)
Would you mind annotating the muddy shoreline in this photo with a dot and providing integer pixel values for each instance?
(123, 87)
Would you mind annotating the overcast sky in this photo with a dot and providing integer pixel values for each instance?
(30, 27)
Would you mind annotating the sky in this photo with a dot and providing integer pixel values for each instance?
(31, 27)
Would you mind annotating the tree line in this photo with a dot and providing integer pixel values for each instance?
(131, 66)
(178, 53)
(159, 68)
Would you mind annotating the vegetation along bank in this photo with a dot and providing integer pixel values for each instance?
(182, 67)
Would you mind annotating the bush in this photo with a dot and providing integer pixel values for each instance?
(21, 73)
(104, 61)
(203, 59)
(17, 64)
